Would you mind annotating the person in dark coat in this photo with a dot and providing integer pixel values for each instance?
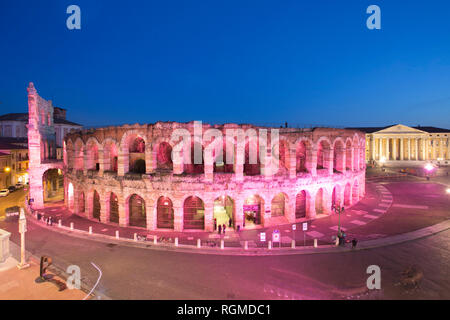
(354, 243)
(220, 229)
(230, 222)
(224, 227)
(215, 224)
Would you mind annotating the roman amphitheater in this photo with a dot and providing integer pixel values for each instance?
(127, 175)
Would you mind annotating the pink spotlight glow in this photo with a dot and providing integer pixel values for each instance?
(429, 167)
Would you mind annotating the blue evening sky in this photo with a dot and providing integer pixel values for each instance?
(264, 62)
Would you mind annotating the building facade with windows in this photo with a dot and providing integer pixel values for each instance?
(400, 145)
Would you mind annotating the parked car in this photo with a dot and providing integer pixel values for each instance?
(19, 186)
(12, 188)
(4, 192)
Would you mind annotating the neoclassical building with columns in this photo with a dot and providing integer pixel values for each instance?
(403, 145)
(126, 175)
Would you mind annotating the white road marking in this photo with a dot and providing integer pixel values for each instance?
(407, 206)
(358, 222)
(385, 205)
(98, 280)
(386, 200)
(335, 228)
(369, 216)
(315, 234)
(379, 210)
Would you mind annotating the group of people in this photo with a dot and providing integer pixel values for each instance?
(47, 220)
(221, 228)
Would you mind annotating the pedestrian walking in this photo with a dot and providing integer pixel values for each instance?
(354, 243)
(230, 222)
(220, 229)
(224, 227)
(215, 224)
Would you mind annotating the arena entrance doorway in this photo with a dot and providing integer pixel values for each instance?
(53, 185)
(253, 208)
(224, 212)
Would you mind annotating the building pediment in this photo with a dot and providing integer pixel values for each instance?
(400, 129)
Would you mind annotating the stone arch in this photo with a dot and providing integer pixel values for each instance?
(302, 202)
(92, 151)
(224, 209)
(228, 156)
(356, 155)
(323, 153)
(252, 161)
(280, 203)
(164, 213)
(164, 156)
(347, 194)
(53, 187)
(137, 213)
(132, 147)
(70, 154)
(336, 196)
(338, 155)
(254, 210)
(192, 167)
(110, 155)
(303, 149)
(96, 205)
(79, 154)
(349, 154)
(321, 201)
(113, 208)
(193, 213)
(81, 202)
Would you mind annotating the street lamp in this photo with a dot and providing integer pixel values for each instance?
(338, 209)
(429, 168)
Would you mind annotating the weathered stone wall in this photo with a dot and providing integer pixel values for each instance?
(333, 163)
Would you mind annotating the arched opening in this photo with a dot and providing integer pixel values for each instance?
(136, 209)
(53, 185)
(253, 208)
(283, 157)
(113, 208)
(323, 150)
(224, 211)
(300, 205)
(79, 155)
(252, 164)
(356, 155)
(338, 156)
(355, 192)
(320, 202)
(92, 162)
(110, 155)
(278, 205)
(193, 167)
(137, 156)
(81, 202)
(70, 155)
(301, 156)
(223, 163)
(96, 207)
(347, 195)
(165, 213)
(348, 155)
(194, 213)
(164, 156)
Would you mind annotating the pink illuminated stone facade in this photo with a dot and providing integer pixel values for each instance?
(125, 175)
(41, 144)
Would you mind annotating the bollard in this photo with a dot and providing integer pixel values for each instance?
(176, 242)
(337, 242)
(222, 244)
(59, 223)
(293, 244)
(155, 239)
(135, 237)
(269, 245)
(246, 245)
(71, 226)
(315, 243)
(199, 243)
(90, 230)
(117, 234)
